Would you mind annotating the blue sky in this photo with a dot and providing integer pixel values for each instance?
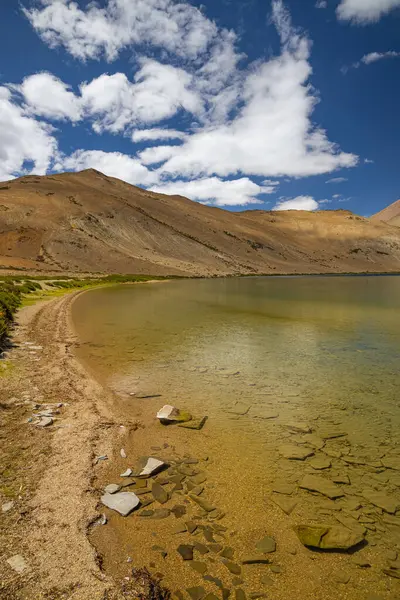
(252, 104)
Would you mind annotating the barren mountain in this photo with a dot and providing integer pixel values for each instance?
(88, 222)
(390, 214)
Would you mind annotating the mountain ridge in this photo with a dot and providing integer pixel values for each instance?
(89, 222)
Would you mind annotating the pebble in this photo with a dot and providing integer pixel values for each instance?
(232, 567)
(196, 593)
(149, 466)
(240, 594)
(275, 569)
(211, 596)
(228, 553)
(127, 473)
(191, 526)
(122, 453)
(202, 548)
(159, 493)
(266, 580)
(266, 545)
(198, 566)
(179, 529)
(186, 551)
(112, 488)
(7, 506)
(18, 563)
(45, 422)
(214, 580)
(255, 560)
(342, 577)
(237, 581)
(161, 513)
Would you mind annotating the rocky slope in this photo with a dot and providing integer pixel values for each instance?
(390, 214)
(89, 222)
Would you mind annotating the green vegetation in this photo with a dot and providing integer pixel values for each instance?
(17, 290)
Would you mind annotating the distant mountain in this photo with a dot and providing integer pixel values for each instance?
(390, 214)
(87, 222)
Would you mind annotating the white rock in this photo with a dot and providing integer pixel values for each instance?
(168, 413)
(7, 506)
(122, 453)
(127, 473)
(112, 488)
(45, 422)
(122, 502)
(18, 563)
(152, 465)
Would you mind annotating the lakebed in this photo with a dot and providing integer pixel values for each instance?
(298, 379)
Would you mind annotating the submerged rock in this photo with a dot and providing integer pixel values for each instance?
(194, 423)
(112, 488)
(159, 493)
(320, 463)
(122, 502)
(147, 466)
(293, 452)
(286, 504)
(170, 414)
(386, 503)
(328, 537)
(314, 483)
(18, 563)
(266, 545)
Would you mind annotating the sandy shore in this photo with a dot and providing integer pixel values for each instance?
(49, 470)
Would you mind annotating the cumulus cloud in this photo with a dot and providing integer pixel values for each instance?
(337, 180)
(141, 135)
(321, 4)
(365, 11)
(113, 164)
(217, 191)
(298, 203)
(97, 32)
(25, 143)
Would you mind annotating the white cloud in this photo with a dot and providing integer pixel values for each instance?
(336, 196)
(214, 190)
(97, 31)
(337, 180)
(298, 203)
(26, 145)
(158, 93)
(370, 58)
(365, 11)
(375, 56)
(114, 164)
(368, 161)
(141, 135)
(49, 97)
(321, 4)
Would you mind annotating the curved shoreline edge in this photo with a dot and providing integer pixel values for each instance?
(54, 517)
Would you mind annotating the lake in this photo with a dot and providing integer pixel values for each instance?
(281, 366)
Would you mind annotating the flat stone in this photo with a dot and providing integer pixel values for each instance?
(191, 526)
(255, 560)
(214, 580)
(196, 593)
(170, 414)
(313, 440)
(122, 502)
(298, 427)
(18, 563)
(286, 504)
(353, 460)
(266, 545)
(284, 488)
(386, 503)
(161, 513)
(161, 550)
(320, 462)
(275, 569)
(149, 466)
(266, 580)
(331, 434)
(186, 551)
(7, 506)
(392, 573)
(199, 478)
(341, 479)
(228, 553)
(127, 473)
(146, 513)
(328, 537)
(204, 504)
(232, 567)
(323, 486)
(112, 488)
(202, 548)
(215, 547)
(293, 452)
(159, 494)
(179, 510)
(237, 581)
(211, 596)
(45, 422)
(240, 594)
(196, 424)
(198, 566)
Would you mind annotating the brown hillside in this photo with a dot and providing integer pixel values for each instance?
(88, 222)
(390, 214)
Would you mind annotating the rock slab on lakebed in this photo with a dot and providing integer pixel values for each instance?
(323, 486)
(122, 502)
(328, 537)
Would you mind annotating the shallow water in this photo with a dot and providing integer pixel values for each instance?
(255, 354)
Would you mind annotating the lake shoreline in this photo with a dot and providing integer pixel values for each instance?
(55, 505)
